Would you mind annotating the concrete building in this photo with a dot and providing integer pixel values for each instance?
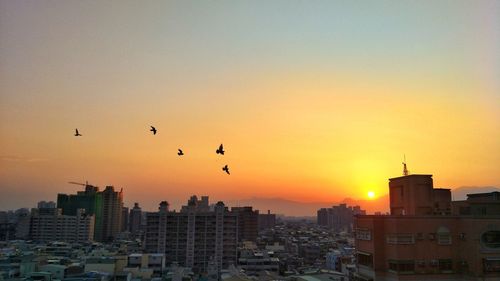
(125, 219)
(253, 262)
(135, 220)
(48, 224)
(194, 236)
(248, 222)
(429, 237)
(267, 221)
(90, 199)
(111, 213)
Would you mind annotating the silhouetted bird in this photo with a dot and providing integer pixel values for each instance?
(180, 153)
(220, 150)
(226, 169)
(153, 129)
(77, 134)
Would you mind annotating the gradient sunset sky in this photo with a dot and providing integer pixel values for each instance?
(314, 100)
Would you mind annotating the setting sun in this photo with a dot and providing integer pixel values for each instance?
(371, 194)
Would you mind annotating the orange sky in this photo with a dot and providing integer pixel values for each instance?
(314, 103)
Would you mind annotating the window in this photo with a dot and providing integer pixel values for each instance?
(444, 239)
(400, 238)
(365, 259)
(491, 264)
(445, 265)
(491, 239)
(363, 234)
(402, 266)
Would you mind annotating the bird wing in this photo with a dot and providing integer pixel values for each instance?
(221, 147)
(76, 131)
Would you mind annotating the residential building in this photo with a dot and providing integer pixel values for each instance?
(135, 218)
(48, 224)
(248, 221)
(267, 221)
(194, 236)
(429, 237)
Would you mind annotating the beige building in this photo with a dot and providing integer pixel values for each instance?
(48, 224)
(195, 236)
(429, 237)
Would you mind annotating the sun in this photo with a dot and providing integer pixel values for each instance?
(371, 194)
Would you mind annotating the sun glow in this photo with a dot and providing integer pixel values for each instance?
(371, 194)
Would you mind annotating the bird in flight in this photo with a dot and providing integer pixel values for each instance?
(77, 134)
(220, 150)
(226, 169)
(180, 153)
(153, 129)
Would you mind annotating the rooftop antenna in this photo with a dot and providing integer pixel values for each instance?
(405, 170)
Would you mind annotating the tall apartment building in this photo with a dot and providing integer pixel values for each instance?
(267, 221)
(135, 219)
(49, 224)
(111, 213)
(105, 206)
(429, 237)
(194, 237)
(125, 219)
(339, 217)
(248, 223)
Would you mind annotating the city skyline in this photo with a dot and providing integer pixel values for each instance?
(314, 102)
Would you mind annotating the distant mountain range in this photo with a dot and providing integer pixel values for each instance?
(300, 209)
(460, 193)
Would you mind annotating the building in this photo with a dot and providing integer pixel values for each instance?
(49, 224)
(125, 219)
(429, 237)
(194, 236)
(90, 199)
(106, 206)
(248, 222)
(135, 218)
(267, 221)
(339, 218)
(111, 213)
(253, 262)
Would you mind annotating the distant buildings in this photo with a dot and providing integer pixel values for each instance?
(105, 206)
(48, 224)
(194, 237)
(429, 237)
(135, 220)
(248, 222)
(267, 221)
(339, 218)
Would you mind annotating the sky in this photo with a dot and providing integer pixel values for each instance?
(315, 101)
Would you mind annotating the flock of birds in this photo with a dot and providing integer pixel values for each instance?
(219, 150)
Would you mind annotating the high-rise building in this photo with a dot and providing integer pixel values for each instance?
(135, 220)
(248, 223)
(105, 206)
(90, 199)
(195, 236)
(125, 219)
(267, 221)
(429, 237)
(48, 224)
(111, 213)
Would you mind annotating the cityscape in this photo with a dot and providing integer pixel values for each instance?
(91, 235)
(235, 140)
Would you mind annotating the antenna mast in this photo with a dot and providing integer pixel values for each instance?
(405, 170)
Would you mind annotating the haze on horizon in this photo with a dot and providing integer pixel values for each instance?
(314, 101)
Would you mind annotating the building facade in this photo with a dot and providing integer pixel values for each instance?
(49, 224)
(248, 223)
(429, 237)
(195, 236)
